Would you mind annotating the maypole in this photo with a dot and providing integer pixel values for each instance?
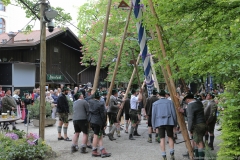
(171, 86)
(96, 78)
(142, 40)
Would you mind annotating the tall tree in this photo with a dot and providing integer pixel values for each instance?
(202, 37)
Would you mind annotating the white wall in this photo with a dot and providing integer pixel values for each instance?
(24, 75)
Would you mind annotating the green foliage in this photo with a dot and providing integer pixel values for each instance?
(20, 149)
(91, 19)
(230, 145)
(35, 111)
(20, 134)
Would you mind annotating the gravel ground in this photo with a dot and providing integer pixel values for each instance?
(121, 149)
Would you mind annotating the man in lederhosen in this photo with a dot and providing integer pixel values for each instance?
(134, 102)
(113, 108)
(148, 109)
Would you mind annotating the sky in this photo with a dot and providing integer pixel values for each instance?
(70, 7)
(17, 19)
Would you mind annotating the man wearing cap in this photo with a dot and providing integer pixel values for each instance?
(97, 119)
(63, 110)
(114, 105)
(80, 122)
(196, 124)
(9, 104)
(134, 102)
(148, 108)
(210, 110)
(164, 118)
(2, 94)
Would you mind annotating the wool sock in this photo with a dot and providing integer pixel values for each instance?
(110, 128)
(172, 151)
(126, 124)
(164, 154)
(59, 129)
(94, 148)
(132, 129)
(65, 130)
(113, 129)
(101, 148)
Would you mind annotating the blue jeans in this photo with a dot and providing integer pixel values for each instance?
(26, 113)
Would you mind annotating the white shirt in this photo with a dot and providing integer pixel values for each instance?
(134, 102)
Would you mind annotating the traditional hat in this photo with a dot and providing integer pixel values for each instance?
(133, 91)
(155, 91)
(104, 93)
(212, 94)
(77, 95)
(65, 89)
(129, 95)
(162, 93)
(97, 94)
(188, 96)
(114, 91)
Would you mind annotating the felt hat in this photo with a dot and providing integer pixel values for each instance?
(65, 89)
(133, 91)
(188, 96)
(155, 91)
(162, 93)
(114, 91)
(97, 94)
(104, 93)
(77, 95)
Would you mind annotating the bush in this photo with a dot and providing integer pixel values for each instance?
(23, 148)
(230, 144)
(35, 111)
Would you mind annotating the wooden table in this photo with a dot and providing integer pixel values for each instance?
(6, 122)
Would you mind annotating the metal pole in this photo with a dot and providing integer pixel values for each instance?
(42, 70)
(96, 78)
(28, 121)
(118, 57)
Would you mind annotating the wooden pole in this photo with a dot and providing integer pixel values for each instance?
(135, 67)
(154, 74)
(172, 88)
(128, 89)
(118, 58)
(42, 71)
(96, 78)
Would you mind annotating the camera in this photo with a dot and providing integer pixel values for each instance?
(50, 26)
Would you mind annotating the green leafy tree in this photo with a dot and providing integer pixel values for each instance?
(202, 37)
(91, 19)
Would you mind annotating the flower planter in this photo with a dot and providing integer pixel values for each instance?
(48, 122)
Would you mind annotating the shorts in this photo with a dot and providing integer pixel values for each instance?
(81, 126)
(63, 117)
(112, 118)
(134, 116)
(97, 129)
(168, 129)
(127, 117)
(198, 132)
(149, 121)
(211, 126)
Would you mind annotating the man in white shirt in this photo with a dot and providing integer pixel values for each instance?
(134, 102)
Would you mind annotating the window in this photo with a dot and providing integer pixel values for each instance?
(2, 26)
(2, 7)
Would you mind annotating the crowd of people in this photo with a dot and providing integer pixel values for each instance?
(91, 115)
